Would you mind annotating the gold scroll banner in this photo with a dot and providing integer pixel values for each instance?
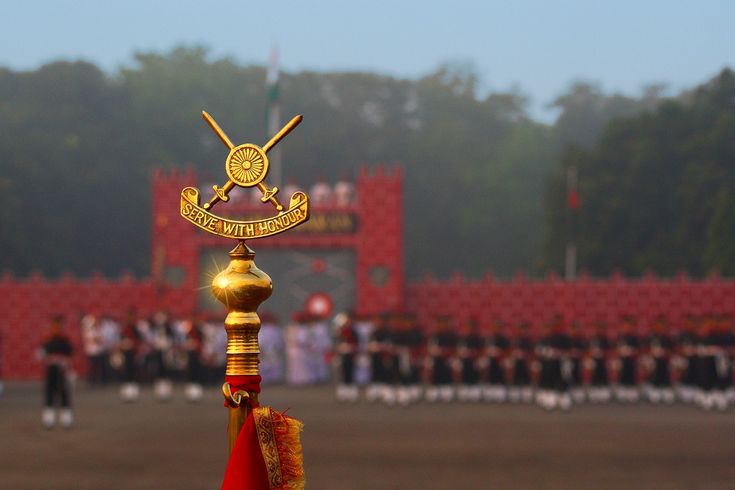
(297, 212)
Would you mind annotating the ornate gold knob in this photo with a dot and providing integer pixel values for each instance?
(242, 287)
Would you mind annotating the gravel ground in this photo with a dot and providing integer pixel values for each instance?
(179, 445)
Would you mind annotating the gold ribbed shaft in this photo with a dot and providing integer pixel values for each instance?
(242, 342)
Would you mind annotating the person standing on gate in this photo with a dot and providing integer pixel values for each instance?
(56, 351)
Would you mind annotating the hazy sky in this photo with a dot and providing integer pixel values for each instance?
(539, 46)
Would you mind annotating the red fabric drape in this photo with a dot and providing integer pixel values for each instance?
(246, 467)
(244, 383)
(250, 384)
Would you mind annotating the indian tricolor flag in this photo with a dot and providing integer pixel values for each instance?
(274, 115)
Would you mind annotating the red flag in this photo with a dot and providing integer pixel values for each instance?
(573, 199)
(267, 453)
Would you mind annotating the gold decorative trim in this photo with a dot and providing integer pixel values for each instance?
(263, 417)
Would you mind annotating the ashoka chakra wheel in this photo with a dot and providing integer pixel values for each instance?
(246, 165)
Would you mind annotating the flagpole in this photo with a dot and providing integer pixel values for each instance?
(570, 256)
(266, 454)
(274, 114)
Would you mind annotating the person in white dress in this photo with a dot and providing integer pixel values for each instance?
(298, 348)
(272, 344)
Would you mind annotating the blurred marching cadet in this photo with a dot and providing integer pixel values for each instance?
(56, 351)
(321, 192)
(161, 336)
(344, 191)
(711, 355)
(496, 347)
(551, 350)
(364, 325)
(442, 347)
(298, 348)
(469, 351)
(688, 360)
(598, 349)
(417, 353)
(129, 346)
(626, 351)
(406, 358)
(2, 385)
(521, 353)
(346, 346)
(393, 361)
(192, 345)
(93, 349)
(660, 348)
(379, 348)
(725, 368)
(573, 364)
(272, 345)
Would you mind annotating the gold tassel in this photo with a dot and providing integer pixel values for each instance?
(288, 441)
(280, 442)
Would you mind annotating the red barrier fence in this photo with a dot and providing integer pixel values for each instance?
(27, 304)
(586, 300)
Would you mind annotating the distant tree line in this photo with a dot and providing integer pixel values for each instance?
(656, 180)
(657, 190)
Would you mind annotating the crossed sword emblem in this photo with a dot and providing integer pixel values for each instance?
(247, 165)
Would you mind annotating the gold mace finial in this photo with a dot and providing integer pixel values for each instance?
(242, 287)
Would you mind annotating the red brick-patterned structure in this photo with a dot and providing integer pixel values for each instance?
(377, 243)
(27, 305)
(586, 300)
(376, 240)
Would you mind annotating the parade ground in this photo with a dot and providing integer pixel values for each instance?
(180, 445)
